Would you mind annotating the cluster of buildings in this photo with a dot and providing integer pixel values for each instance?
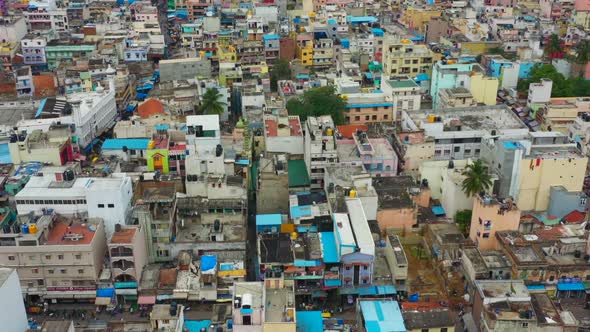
(153, 169)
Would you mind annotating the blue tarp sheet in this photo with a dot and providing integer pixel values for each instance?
(300, 211)
(208, 262)
(305, 263)
(329, 247)
(438, 210)
(130, 143)
(309, 321)
(268, 219)
(5, 154)
(332, 282)
(196, 325)
(40, 109)
(105, 292)
(535, 287)
(570, 286)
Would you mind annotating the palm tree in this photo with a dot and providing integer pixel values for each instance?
(211, 103)
(477, 178)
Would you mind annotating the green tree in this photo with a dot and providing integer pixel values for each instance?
(582, 52)
(562, 87)
(463, 220)
(211, 103)
(554, 45)
(477, 178)
(280, 71)
(317, 102)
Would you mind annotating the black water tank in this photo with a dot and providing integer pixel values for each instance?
(218, 150)
(69, 175)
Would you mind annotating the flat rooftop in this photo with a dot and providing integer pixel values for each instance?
(124, 236)
(499, 288)
(199, 228)
(471, 119)
(4, 274)
(394, 192)
(402, 84)
(63, 233)
(282, 126)
(418, 320)
(276, 248)
(254, 288)
(278, 300)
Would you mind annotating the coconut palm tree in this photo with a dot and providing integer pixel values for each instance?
(211, 103)
(477, 178)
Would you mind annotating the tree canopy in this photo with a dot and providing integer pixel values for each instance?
(562, 87)
(280, 71)
(211, 103)
(317, 102)
(463, 220)
(477, 178)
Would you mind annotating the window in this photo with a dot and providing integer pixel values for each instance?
(443, 329)
(35, 270)
(486, 235)
(457, 148)
(348, 268)
(525, 325)
(78, 256)
(11, 258)
(111, 206)
(385, 116)
(100, 206)
(60, 257)
(447, 152)
(437, 152)
(63, 271)
(80, 271)
(50, 271)
(357, 118)
(367, 117)
(467, 151)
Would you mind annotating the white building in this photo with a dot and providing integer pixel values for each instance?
(458, 132)
(405, 94)
(90, 113)
(540, 93)
(320, 148)
(58, 188)
(13, 314)
(45, 20)
(33, 49)
(12, 28)
(282, 134)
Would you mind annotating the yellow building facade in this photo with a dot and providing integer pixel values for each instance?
(484, 89)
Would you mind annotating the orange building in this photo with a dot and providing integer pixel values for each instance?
(491, 216)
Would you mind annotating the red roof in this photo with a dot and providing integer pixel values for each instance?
(347, 131)
(574, 217)
(44, 85)
(57, 235)
(149, 108)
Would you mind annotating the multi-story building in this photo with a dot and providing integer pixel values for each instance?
(539, 93)
(43, 20)
(60, 50)
(283, 134)
(376, 154)
(89, 113)
(455, 98)
(14, 315)
(397, 261)
(320, 148)
(184, 69)
(33, 49)
(304, 49)
(155, 212)
(55, 146)
(272, 47)
(12, 28)
(197, 8)
(128, 256)
(365, 108)
(370, 315)
(167, 317)
(405, 94)
(56, 257)
(447, 74)
(24, 82)
(59, 189)
(490, 216)
(559, 114)
(403, 57)
(323, 53)
(458, 132)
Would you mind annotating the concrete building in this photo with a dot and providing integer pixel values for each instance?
(58, 189)
(455, 98)
(283, 134)
(405, 94)
(397, 261)
(445, 184)
(448, 74)
(184, 69)
(323, 53)
(167, 317)
(413, 148)
(56, 257)
(43, 20)
(13, 28)
(539, 93)
(128, 256)
(13, 315)
(403, 57)
(427, 319)
(528, 166)
(376, 155)
(340, 181)
(320, 148)
(66, 49)
(91, 113)
(458, 132)
(490, 216)
(54, 147)
(365, 108)
(399, 201)
(559, 114)
(272, 188)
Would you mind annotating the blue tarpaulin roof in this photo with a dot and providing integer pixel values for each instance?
(438, 210)
(105, 292)
(332, 282)
(369, 105)
(382, 316)
(130, 108)
(208, 262)
(535, 287)
(268, 219)
(196, 325)
(300, 211)
(306, 263)
(162, 127)
(361, 19)
(41, 106)
(5, 154)
(370, 290)
(270, 37)
(422, 77)
(570, 286)
(377, 32)
(329, 247)
(243, 162)
(309, 321)
(130, 143)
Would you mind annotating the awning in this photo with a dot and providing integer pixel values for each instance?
(438, 210)
(146, 299)
(570, 286)
(103, 301)
(105, 292)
